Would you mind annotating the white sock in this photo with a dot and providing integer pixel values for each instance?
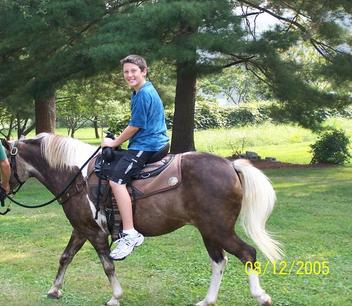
(131, 232)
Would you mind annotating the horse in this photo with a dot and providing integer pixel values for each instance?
(213, 193)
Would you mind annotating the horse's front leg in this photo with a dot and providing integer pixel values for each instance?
(73, 246)
(101, 245)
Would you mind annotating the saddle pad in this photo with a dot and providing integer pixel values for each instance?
(168, 179)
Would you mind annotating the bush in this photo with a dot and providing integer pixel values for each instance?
(239, 117)
(118, 122)
(211, 115)
(169, 118)
(208, 116)
(331, 147)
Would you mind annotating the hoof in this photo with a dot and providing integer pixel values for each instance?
(54, 293)
(266, 301)
(204, 303)
(113, 302)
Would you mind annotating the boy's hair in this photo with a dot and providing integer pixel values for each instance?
(135, 59)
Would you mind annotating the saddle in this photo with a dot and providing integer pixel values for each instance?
(156, 177)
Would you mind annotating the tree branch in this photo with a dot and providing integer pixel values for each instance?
(257, 66)
(245, 15)
(323, 49)
(291, 21)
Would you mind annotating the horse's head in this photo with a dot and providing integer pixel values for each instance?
(20, 169)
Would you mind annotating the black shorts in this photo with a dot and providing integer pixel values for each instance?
(126, 165)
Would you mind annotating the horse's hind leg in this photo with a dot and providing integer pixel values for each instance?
(246, 253)
(73, 246)
(218, 263)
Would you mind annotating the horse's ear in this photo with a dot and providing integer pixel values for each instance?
(6, 144)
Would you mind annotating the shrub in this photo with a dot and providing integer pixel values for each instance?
(210, 115)
(239, 117)
(118, 122)
(331, 147)
(169, 118)
(207, 116)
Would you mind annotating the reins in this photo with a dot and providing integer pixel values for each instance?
(13, 161)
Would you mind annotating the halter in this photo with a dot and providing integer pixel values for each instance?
(13, 164)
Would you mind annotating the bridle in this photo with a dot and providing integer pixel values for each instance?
(13, 164)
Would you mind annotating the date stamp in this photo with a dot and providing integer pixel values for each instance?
(284, 268)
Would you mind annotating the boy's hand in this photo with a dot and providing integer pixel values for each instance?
(6, 187)
(108, 142)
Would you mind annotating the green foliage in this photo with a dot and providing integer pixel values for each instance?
(208, 116)
(331, 147)
(239, 117)
(234, 84)
(118, 122)
(211, 115)
(169, 118)
(346, 112)
(43, 43)
(96, 99)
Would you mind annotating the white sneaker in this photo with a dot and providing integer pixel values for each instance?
(126, 245)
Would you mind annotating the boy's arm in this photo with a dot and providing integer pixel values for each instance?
(126, 134)
(5, 174)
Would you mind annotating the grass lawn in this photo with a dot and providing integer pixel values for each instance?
(312, 220)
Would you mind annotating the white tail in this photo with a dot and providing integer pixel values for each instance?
(257, 204)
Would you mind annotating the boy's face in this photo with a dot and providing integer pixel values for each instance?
(134, 76)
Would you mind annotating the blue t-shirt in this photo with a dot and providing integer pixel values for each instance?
(2, 153)
(147, 113)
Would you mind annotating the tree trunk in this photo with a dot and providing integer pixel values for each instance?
(12, 121)
(21, 128)
(183, 124)
(29, 129)
(45, 115)
(96, 130)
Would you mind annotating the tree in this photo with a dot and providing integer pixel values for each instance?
(90, 100)
(202, 37)
(43, 46)
(12, 118)
(53, 42)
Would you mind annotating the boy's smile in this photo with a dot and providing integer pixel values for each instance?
(134, 76)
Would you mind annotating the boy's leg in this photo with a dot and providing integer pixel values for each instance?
(130, 237)
(124, 203)
(130, 164)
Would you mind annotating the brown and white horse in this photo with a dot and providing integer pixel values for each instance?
(213, 193)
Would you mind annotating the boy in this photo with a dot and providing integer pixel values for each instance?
(146, 133)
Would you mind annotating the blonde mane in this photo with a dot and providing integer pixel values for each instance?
(64, 152)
